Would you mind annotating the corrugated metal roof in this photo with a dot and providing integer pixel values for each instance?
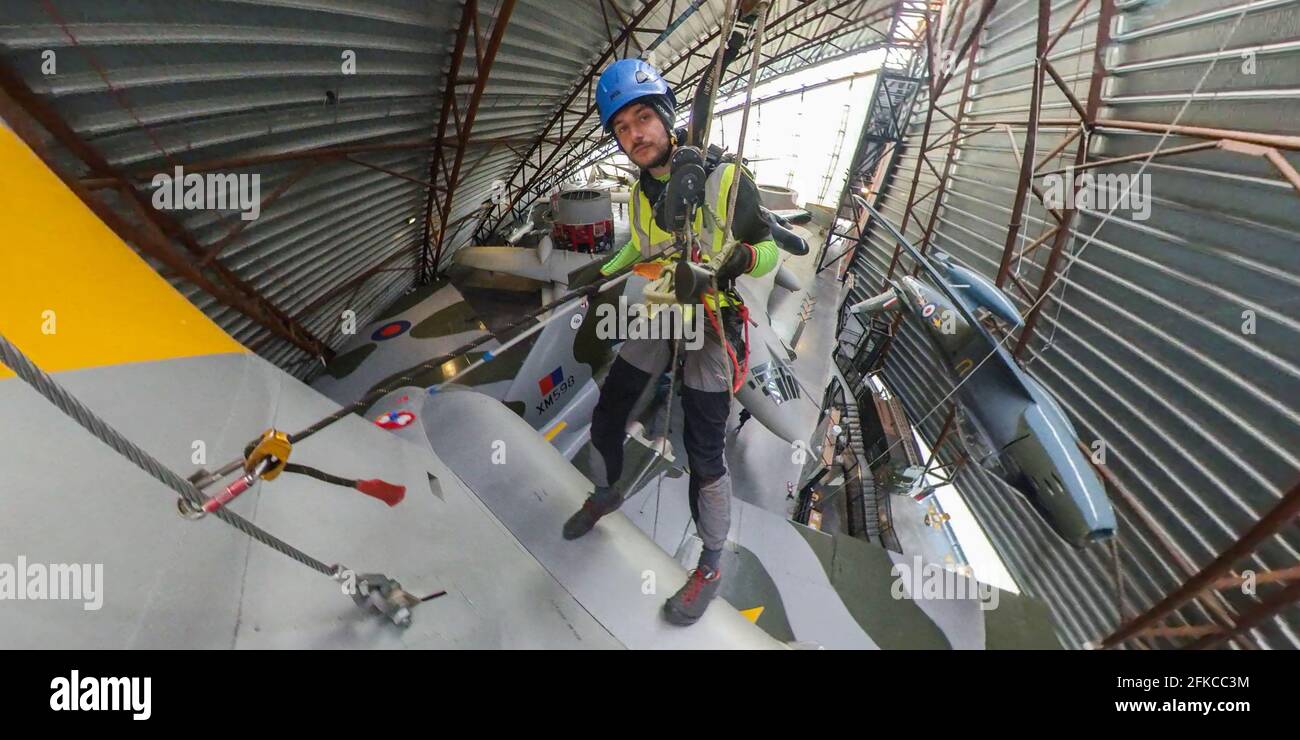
(197, 82)
(1142, 340)
(206, 81)
(799, 34)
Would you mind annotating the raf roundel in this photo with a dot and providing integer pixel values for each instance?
(395, 419)
(390, 330)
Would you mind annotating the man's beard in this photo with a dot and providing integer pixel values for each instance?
(660, 159)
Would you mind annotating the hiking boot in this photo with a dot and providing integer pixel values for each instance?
(688, 604)
(604, 501)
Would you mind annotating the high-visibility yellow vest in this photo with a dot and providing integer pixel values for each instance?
(707, 222)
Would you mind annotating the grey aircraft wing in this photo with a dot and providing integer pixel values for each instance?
(619, 575)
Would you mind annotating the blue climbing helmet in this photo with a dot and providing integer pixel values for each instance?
(627, 81)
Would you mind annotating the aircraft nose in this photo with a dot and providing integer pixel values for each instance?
(1100, 535)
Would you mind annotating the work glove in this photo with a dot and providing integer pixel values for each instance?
(740, 261)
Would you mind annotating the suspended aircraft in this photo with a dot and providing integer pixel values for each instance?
(1011, 425)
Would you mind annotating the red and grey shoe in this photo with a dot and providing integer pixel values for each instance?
(603, 501)
(688, 604)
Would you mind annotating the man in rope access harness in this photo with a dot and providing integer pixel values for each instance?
(636, 106)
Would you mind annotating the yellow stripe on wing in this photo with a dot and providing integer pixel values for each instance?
(73, 294)
(550, 433)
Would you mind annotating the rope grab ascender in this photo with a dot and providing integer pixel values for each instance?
(694, 280)
(267, 458)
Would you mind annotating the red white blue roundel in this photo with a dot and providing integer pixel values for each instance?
(390, 330)
(395, 419)
(928, 311)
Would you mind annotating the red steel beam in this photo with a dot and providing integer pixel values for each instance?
(943, 437)
(1078, 11)
(1268, 576)
(324, 299)
(392, 173)
(1031, 141)
(1081, 155)
(1065, 89)
(1251, 619)
(949, 156)
(527, 182)
(911, 195)
(231, 290)
(581, 85)
(1290, 143)
(797, 91)
(314, 153)
(1076, 133)
(580, 152)
(1213, 602)
(1281, 515)
(952, 147)
(214, 249)
(484, 70)
(436, 158)
(1082, 167)
(985, 10)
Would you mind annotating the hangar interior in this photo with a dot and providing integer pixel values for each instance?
(1035, 331)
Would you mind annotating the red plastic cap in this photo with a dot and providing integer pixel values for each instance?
(382, 490)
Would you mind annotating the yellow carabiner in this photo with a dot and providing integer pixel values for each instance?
(273, 444)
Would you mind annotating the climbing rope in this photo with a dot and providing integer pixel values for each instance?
(663, 443)
(39, 380)
(698, 133)
(594, 288)
(739, 369)
(373, 590)
(744, 115)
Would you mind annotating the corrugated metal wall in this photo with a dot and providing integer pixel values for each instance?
(153, 83)
(1142, 340)
(201, 81)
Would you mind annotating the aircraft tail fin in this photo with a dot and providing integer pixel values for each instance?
(551, 373)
